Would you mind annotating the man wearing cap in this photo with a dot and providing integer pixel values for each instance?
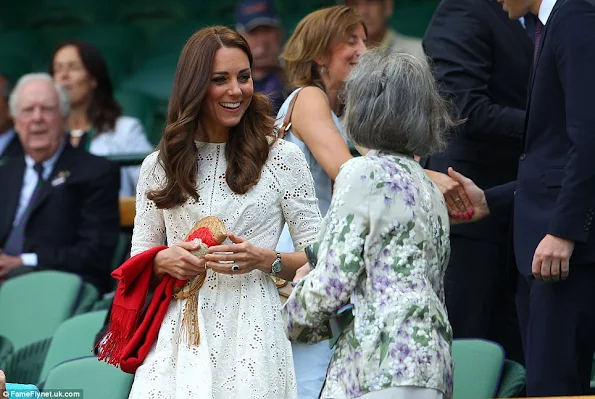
(259, 23)
(376, 14)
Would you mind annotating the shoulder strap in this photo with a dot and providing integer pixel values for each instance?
(286, 125)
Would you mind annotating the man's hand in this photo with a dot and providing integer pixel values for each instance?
(475, 196)
(551, 261)
(7, 263)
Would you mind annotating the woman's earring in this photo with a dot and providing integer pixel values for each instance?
(323, 70)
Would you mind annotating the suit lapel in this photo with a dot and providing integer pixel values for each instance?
(542, 41)
(13, 178)
(536, 63)
(63, 163)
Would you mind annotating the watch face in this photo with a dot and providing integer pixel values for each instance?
(276, 267)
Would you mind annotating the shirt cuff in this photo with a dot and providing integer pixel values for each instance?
(29, 259)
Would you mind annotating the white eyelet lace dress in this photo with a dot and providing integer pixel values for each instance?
(243, 352)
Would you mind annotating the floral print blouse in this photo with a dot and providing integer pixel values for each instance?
(383, 247)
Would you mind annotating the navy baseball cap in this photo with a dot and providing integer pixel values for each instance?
(253, 13)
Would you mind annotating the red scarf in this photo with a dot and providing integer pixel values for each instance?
(132, 332)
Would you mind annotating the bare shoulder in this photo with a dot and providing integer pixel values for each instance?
(311, 98)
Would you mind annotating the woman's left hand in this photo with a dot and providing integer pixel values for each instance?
(238, 258)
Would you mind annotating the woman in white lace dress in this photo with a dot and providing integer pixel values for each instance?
(218, 158)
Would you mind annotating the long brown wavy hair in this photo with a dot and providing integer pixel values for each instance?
(248, 145)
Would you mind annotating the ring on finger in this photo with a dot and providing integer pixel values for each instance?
(457, 199)
(235, 268)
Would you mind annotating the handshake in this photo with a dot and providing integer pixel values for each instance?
(465, 201)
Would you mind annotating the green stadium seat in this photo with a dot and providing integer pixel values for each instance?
(15, 13)
(60, 16)
(138, 105)
(98, 380)
(35, 304)
(155, 78)
(13, 66)
(74, 338)
(152, 16)
(122, 47)
(172, 41)
(513, 380)
(412, 17)
(478, 365)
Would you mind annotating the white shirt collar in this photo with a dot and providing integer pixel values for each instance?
(545, 10)
(48, 165)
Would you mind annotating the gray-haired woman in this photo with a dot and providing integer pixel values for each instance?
(384, 244)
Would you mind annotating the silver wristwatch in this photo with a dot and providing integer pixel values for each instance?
(277, 265)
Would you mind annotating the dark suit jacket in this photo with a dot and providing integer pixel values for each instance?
(74, 226)
(555, 188)
(14, 149)
(482, 62)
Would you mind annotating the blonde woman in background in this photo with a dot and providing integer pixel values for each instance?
(318, 57)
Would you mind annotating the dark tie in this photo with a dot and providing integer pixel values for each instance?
(538, 29)
(14, 243)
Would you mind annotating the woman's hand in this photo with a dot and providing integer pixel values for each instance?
(474, 194)
(178, 262)
(457, 200)
(239, 258)
(302, 272)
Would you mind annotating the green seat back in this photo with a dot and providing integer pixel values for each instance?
(20, 51)
(478, 366)
(137, 105)
(89, 295)
(74, 338)
(172, 41)
(153, 17)
(412, 17)
(513, 380)
(155, 78)
(33, 305)
(6, 350)
(98, 380)
(122, 47)
(24, 365)
(51, 37)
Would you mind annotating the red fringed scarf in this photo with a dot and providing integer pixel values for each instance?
(132, 332)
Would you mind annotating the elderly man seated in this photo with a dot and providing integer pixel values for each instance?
(59, 204)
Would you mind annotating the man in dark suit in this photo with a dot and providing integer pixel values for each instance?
(482, 61)
(9, 142)
(554, 200)
(59, 205)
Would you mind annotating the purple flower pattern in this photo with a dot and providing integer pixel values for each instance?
(384, 249)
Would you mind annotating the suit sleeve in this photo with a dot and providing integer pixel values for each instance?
(98, 229)
(574, 38)
(501, 202)
(459, 43)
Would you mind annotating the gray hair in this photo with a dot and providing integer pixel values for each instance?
(44, 77)
(392, 104)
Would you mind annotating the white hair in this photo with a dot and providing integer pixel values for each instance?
(392, 104)
(44, 77)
